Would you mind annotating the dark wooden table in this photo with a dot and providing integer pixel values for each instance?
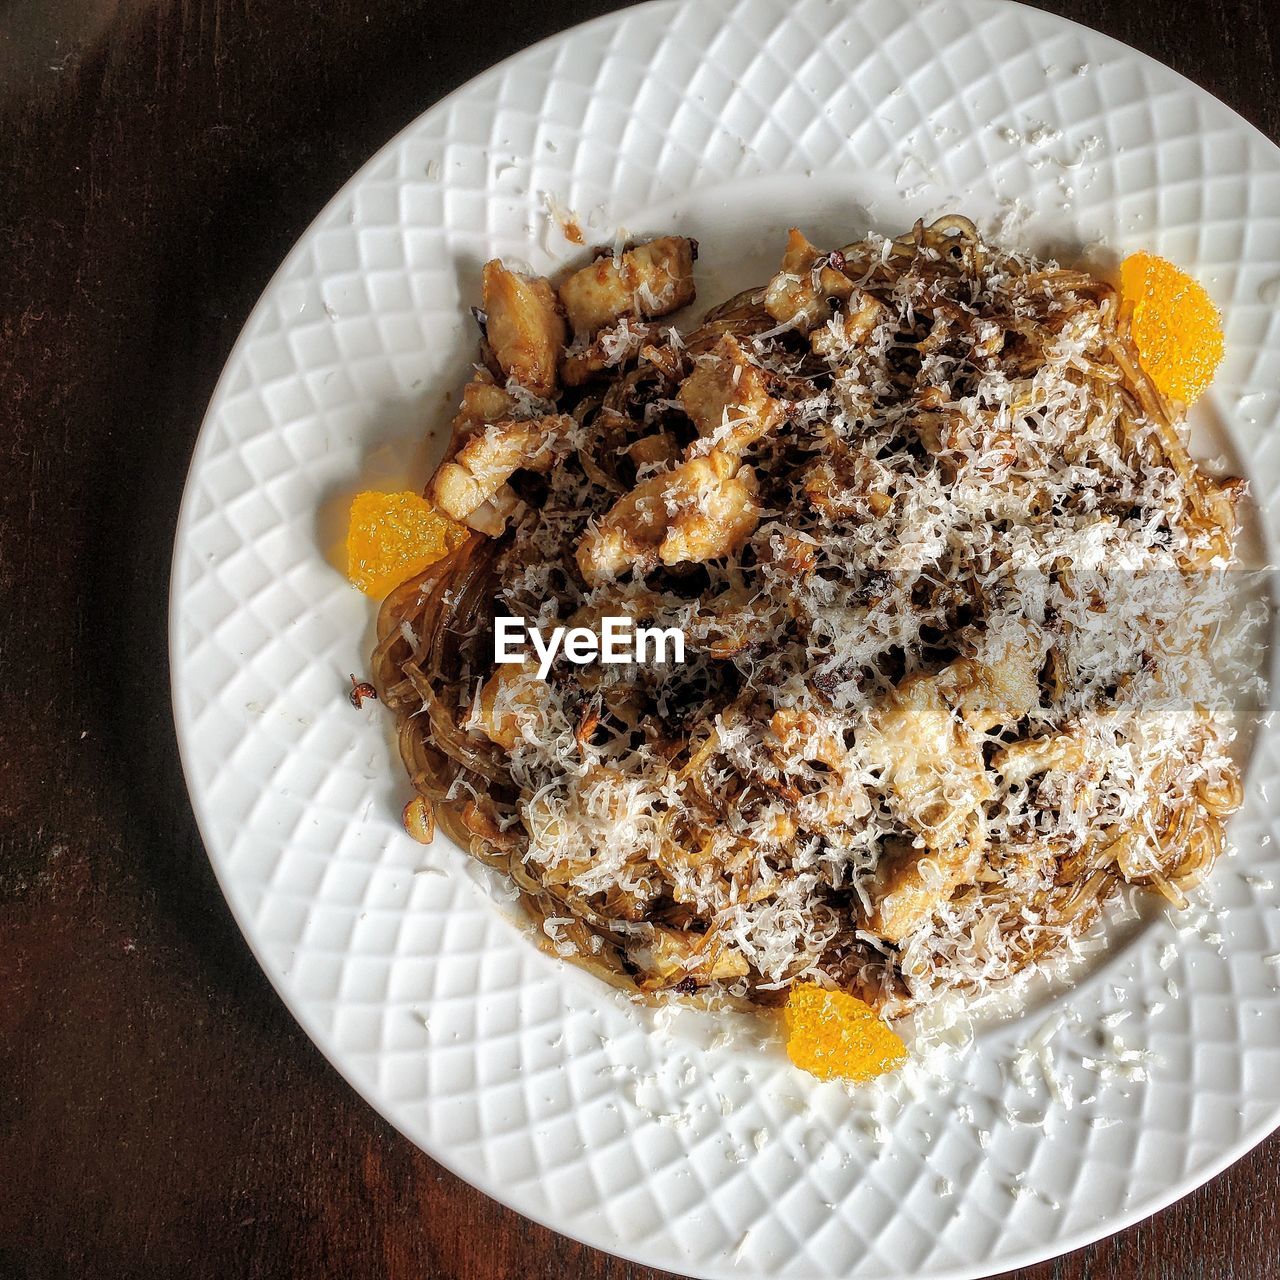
(160, 1113)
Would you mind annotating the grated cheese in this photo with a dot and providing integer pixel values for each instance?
(934, 513)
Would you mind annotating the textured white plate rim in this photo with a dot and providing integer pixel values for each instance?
(1142, 1210)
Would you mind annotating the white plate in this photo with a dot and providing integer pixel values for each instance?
(728, 121)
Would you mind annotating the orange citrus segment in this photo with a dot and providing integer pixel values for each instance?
(1175, 326)
(393, 536)
(837, 1036)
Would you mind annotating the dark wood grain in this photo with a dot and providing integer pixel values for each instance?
(160, 1113)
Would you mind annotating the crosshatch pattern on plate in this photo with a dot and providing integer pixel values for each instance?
(635, 1132)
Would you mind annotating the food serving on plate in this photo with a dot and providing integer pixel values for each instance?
(948, 580)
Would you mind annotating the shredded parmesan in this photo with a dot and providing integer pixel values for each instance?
(961, 674)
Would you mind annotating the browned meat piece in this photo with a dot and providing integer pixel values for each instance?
(846, 484)
(934, 778)
(610, 349)
(798, 295)
(849, 328)
(483, 402)
(912, 882)
(727, 397)
(702, 509)
(650, 280)
(482, 466)
(512, 692)
(1000, 687)
(525, 327)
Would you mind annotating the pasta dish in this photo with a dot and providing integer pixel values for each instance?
(949, 583)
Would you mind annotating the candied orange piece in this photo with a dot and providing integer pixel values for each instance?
(1176, 328)
(392, 536)
(837, 1036)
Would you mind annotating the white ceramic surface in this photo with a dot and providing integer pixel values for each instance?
(728, 120)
